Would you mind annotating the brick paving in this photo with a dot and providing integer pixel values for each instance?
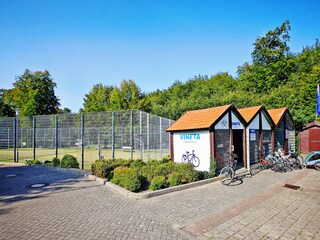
(73, 207)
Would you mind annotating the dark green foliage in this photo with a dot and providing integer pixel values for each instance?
(148, 170)
(158, 182)
(205, 175)
(69, 161)
(31, 89)
(174, 179)
(187, 172)
(29, 162)
(47, 162)
(164, 169)
(213, 167)
(55, 162)
(127, 178)
(165, 159)
(102, 168)
(138, 164)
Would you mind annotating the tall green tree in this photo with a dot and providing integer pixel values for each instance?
(33, 94)
(272, 61)
(5, 109)
(127, 96)
(98, 99)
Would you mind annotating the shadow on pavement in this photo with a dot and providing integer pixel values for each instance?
(56, 180)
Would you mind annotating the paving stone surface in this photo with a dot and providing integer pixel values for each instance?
(73, 207)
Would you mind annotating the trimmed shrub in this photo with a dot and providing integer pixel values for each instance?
(103, 168)
(69, 161)
(164, 169)
(205, 175)
(55, 162)
(174, 179)
(158, 182)
(148, 170)
(138, 164)
(127, 178)
(187, 172)
(47, 162)
(166, 159)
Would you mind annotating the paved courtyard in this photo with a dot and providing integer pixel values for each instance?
(73, 207)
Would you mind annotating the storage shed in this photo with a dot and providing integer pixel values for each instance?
(258, 132)
(284, 133)
(310, 138)
(207, 134)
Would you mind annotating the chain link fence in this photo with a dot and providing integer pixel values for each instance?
(128, 134)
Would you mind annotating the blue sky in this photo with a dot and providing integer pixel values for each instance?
(154, 43)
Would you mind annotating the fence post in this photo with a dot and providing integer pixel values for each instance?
(15, 135)
(112, 135)
(34, 137)
(131, 134)
(140, 135)
(160, 137)
(57, 135)
(148, 133)
(82, 140)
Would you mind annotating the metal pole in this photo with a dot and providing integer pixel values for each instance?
(57, 135)
(82, 140)
(15, 149)
(148, 133)
(160, 137)
(112, 135)
(34, 137)
(131, 134)
(140, 135)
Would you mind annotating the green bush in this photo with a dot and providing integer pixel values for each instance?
(127, 178)
(55, 162)
(158, 182)
(138, 164)
(148, 171)
(47, 162)
(164, 169)
(205, 175)
(174, 179)
(166, 159)
(29, 162)
(187, 172)
(69, 161)
(103, 168)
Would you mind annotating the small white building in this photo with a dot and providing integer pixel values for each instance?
(206, 135)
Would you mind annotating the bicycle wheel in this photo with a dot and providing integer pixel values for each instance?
(226, 175)
(300, 159)
(296, 163)
(184, 159)
(195, 161)
(317, 166)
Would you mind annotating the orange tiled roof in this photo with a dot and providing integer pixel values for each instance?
(198, 119)
(250, 112)
(277, 114)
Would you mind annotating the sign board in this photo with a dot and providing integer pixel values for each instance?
(194, 147)
(253, 134)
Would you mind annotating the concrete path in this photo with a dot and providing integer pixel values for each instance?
(73, 207)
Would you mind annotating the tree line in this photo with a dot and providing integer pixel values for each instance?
(275, 77)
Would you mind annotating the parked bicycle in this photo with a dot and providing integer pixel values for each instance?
(227, 173)
(190, 158)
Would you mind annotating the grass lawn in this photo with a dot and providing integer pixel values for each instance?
(90, 154)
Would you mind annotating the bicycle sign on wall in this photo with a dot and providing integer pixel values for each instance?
(193, 147)
(190, 158)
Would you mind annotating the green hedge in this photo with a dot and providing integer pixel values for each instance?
(127, 178)
(154, 174)
(69, 161)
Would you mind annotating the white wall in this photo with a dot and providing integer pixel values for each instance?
(199, 141)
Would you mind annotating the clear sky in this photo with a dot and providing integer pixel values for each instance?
(154, 43)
